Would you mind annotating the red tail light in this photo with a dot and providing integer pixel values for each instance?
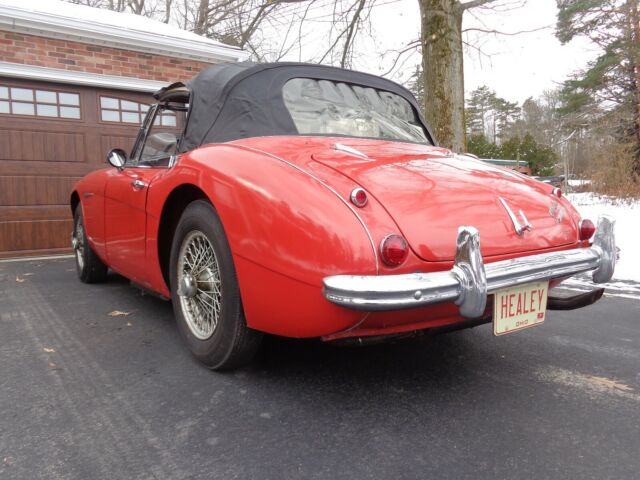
(394, 250)
(557, 192)
(587, 229)
(359, 197)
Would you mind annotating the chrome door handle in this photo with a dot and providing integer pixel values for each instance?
(138, 184)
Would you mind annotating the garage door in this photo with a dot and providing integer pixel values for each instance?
(50, 136)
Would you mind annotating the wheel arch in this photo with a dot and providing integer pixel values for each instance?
(74, 201)
(176, 202)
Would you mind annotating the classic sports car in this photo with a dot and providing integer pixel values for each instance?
(310, 201)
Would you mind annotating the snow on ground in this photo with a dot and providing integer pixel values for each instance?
(626, 279)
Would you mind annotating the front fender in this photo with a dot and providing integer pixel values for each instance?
(90, 191)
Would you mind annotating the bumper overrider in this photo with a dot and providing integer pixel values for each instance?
(470, 281)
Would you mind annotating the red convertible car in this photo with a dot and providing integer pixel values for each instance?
(310, 201)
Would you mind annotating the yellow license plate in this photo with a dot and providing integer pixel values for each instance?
(519, 307)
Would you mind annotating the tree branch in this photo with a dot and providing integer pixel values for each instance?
(350, 32)
(399, 53)
(498, 32)
(475, 3)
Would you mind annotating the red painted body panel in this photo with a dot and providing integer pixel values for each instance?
(91, 192)
(125, 220)
(418, 183)
(284, 205)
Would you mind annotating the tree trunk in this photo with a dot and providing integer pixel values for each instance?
(137, 6)
(635, 65)
(200, 24)
(442, 63)
(167, 11)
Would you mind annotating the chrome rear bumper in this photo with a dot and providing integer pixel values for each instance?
(470, 281)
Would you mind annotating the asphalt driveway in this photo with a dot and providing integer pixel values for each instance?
(89, 395)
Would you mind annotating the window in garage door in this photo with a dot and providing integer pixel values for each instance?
(39, 103)
(125, 111)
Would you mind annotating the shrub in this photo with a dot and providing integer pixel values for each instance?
(541, 158)
(612, 171)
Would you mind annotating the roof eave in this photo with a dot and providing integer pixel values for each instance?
(53, 26)
(45, 74)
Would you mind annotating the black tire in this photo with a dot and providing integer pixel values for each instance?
(88, 265)
(231, 343)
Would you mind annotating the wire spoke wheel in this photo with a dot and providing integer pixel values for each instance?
(205, 292)
(199, 285)
(90, 268)
(78, 243)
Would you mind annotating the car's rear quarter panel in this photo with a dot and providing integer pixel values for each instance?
(286, 231)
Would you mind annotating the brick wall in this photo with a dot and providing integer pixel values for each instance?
(70, 55)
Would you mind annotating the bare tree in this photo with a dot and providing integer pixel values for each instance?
(136, 6)
(167, 10)
(243, 23)
(441, 47)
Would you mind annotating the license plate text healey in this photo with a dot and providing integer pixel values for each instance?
(519, 307)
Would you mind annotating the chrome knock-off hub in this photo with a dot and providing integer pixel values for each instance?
(188, 287)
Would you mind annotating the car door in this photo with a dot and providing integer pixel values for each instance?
(126, 193)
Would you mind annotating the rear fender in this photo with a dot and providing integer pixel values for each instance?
(287, 230)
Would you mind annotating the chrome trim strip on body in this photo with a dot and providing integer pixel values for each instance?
(349, 150)
(516, 224)
(469, 282)
(328, 187)
(525, 222)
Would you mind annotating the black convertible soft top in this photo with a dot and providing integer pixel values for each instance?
(229, 101)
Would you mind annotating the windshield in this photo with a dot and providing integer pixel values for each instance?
(323, 107)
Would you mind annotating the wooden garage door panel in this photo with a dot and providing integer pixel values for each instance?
(35, 212)
(124, 142)
(15, 168)
(26, 145)
(30, 190)
(39, 235)
(42, 157)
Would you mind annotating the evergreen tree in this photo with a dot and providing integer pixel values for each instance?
(489, 115)
(416, 84)
(477, 111)
(541, 158)
(611, 83)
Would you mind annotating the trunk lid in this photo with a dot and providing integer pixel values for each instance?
(430, 193)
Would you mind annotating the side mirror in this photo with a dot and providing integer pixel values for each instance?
(117, 158)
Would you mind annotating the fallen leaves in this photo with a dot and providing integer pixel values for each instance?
(20, 280)
(608, 383)
(53, 366)
(49, 350)
(594, 386)
(119, 313)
